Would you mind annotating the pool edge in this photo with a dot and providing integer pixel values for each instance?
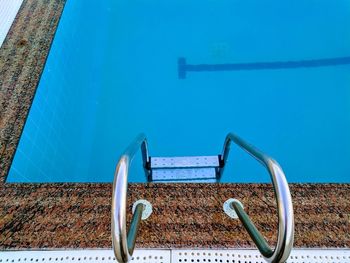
(38, 215)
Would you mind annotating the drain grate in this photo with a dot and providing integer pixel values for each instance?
(82, 256)
(172, 256)
(253, 256)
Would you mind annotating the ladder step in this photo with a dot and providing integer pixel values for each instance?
(183, 174)
(184, 162)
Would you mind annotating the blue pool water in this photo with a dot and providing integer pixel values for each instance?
(112, 72)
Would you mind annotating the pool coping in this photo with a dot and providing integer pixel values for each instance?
(78, 215)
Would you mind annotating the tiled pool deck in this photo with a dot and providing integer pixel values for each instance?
(78, 215)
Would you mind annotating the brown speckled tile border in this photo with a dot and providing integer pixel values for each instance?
(186, 215)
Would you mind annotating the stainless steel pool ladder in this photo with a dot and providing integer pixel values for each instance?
(123, 244)
(285, 235)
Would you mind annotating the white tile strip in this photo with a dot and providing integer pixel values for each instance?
(8, 12)
(253, 256)
(173, 256)
(82, 256)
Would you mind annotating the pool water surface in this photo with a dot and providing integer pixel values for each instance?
(113, 72)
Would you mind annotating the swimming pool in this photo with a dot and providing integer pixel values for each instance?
(113, 72)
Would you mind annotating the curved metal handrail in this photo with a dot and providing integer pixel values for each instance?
(284, 203)
(123, 243)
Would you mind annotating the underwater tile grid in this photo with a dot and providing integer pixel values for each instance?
(276, 94)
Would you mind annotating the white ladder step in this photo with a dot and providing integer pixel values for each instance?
(185, 162)
(183, 174)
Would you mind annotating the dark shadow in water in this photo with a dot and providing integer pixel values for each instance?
(183, 67)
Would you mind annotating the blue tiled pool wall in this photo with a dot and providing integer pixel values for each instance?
(56, 136)
(112, 72)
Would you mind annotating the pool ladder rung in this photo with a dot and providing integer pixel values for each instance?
(184, 169)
